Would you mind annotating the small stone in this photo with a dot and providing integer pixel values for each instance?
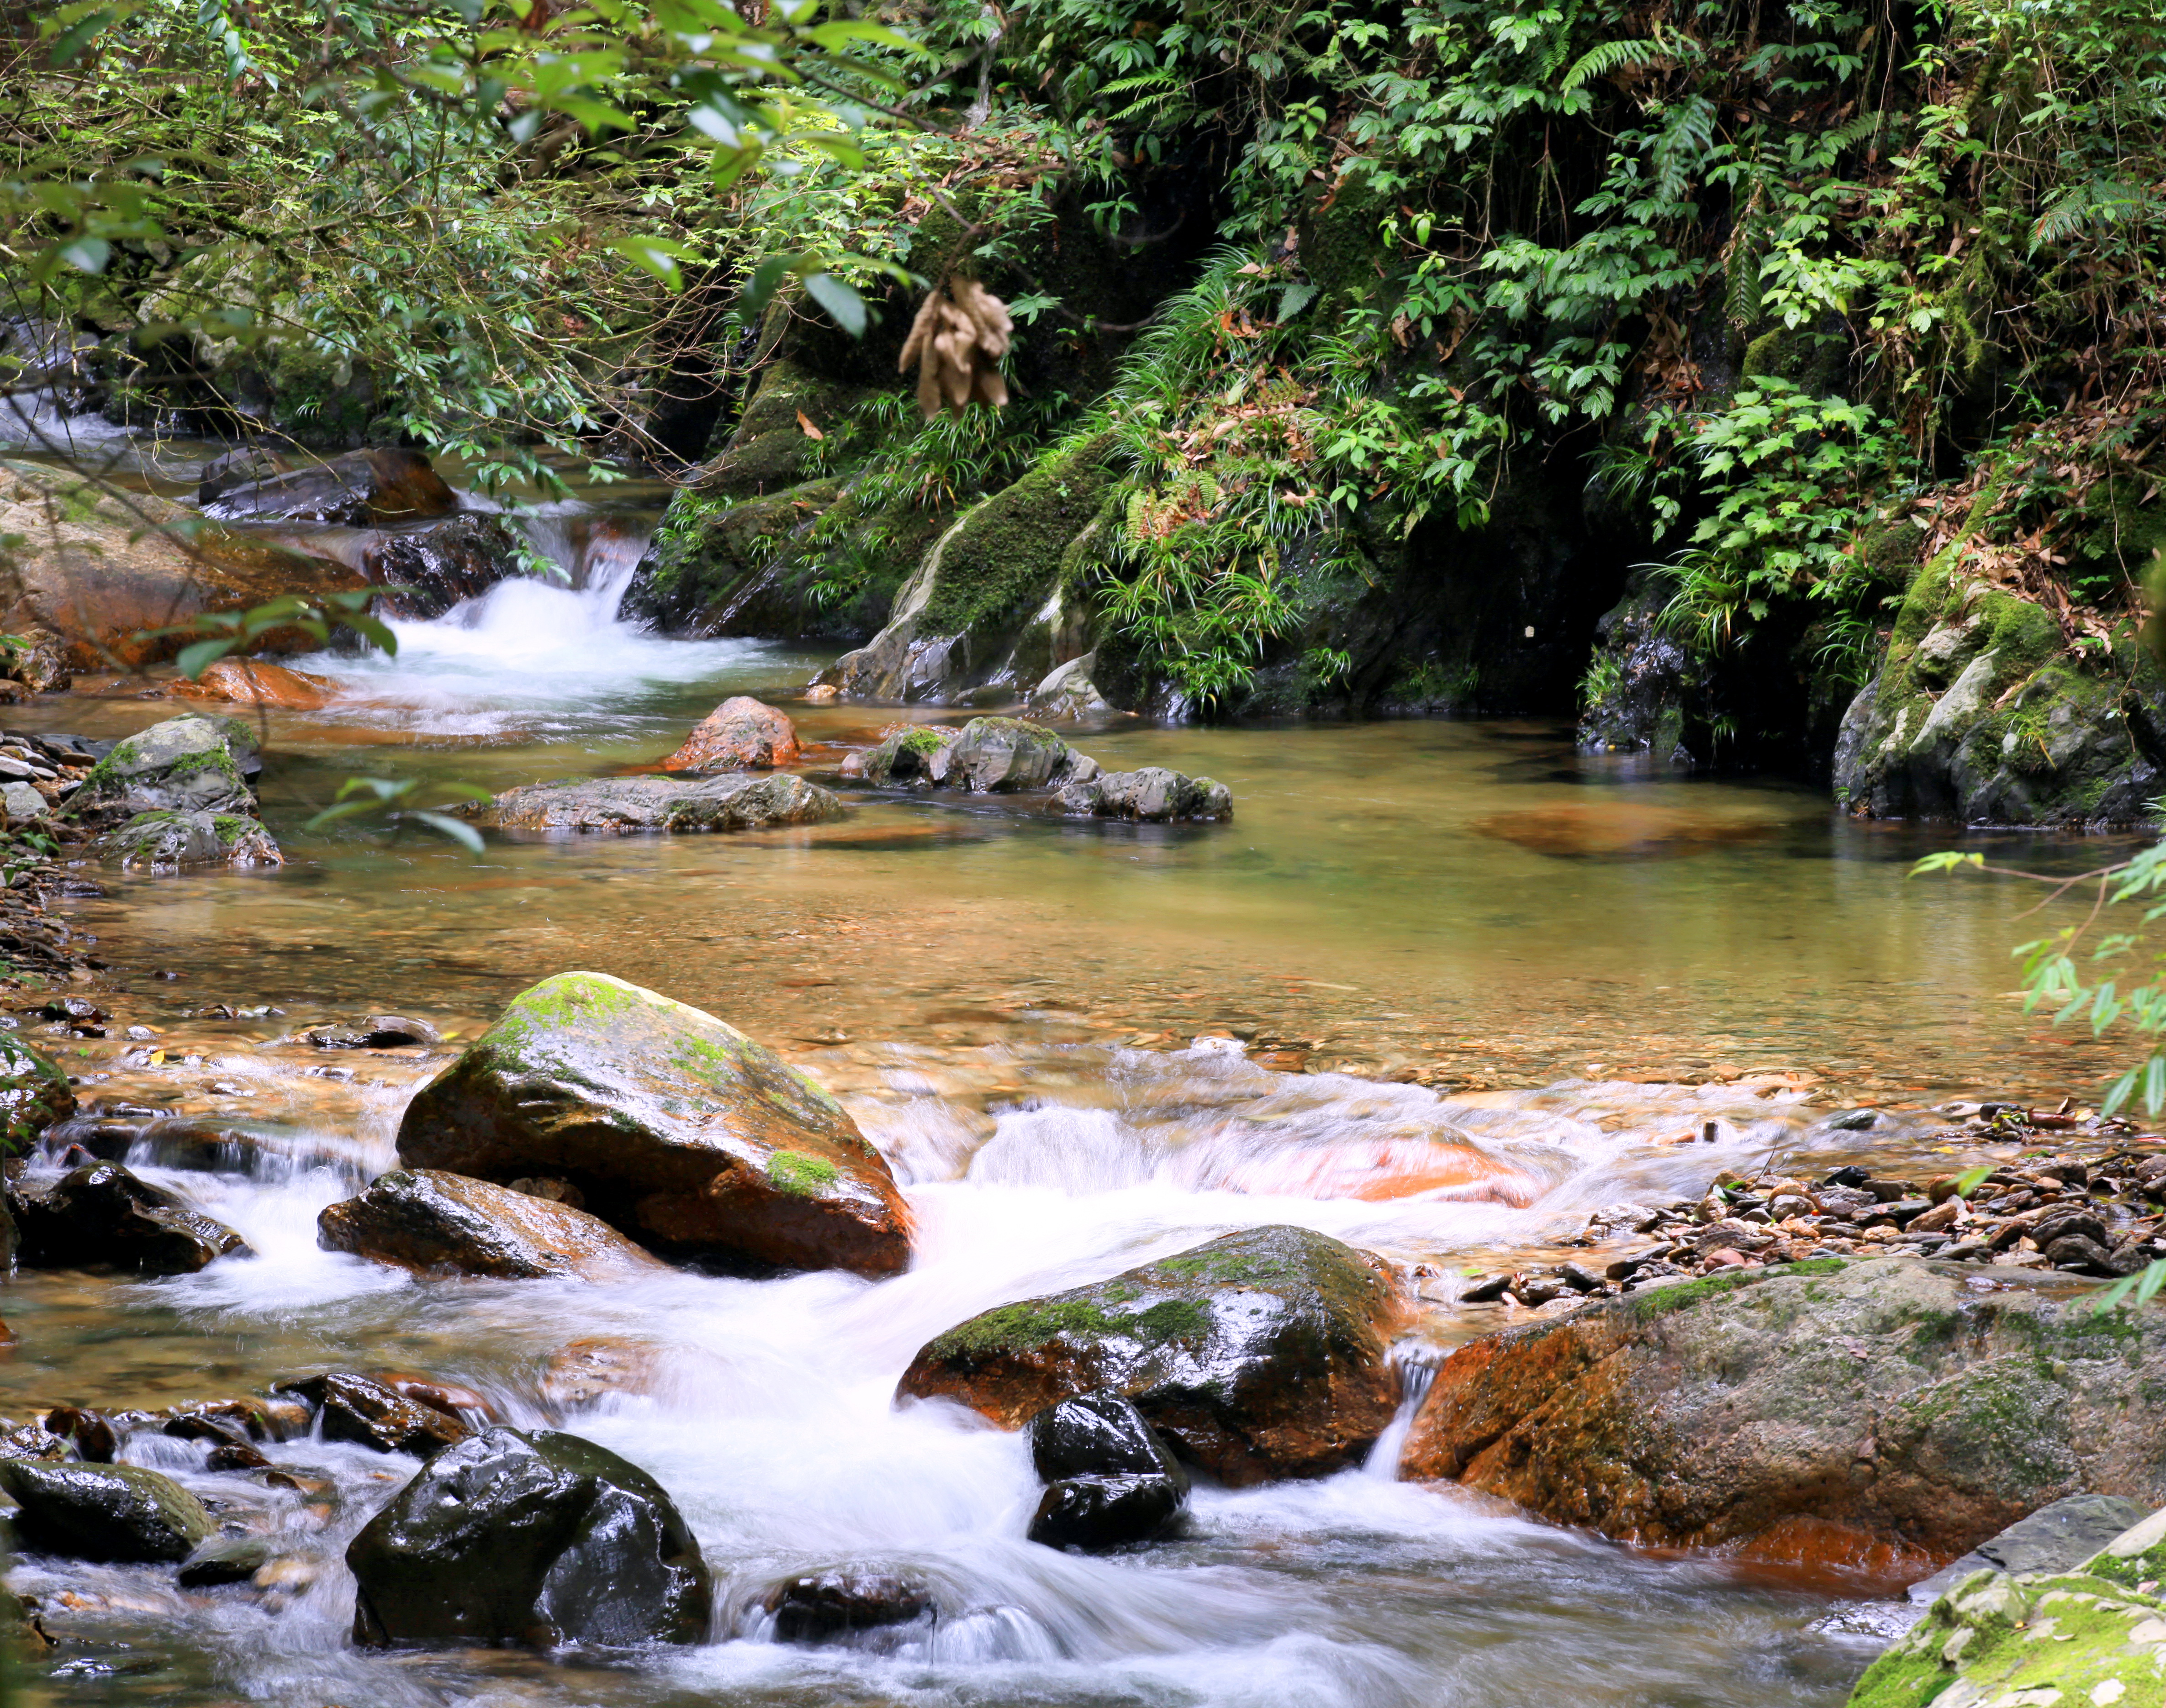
(225, 1560)
(1579, 1278)
(822, 1605)
(1486, 1290)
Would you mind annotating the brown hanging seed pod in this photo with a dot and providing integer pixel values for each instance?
(961, 332)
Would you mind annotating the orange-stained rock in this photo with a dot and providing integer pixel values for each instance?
(436, 1223)
(1381, 1169)
(1879, 1418)
(249, 682)
(585, 1371)
(741, 734)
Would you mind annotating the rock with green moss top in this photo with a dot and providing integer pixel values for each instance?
(170, 841)
(986, 756)
(1888, 1410)
(33, 1095)
(676, 1129)
(1260, 1355)
(117, 1513)
(735, 801)
(1982, 712)
(960, 623)
(191, 764)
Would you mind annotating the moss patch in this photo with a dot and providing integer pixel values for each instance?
(799, 1175)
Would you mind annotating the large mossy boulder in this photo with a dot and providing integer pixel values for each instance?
(731, 802)
(1982, 712)
(544, 1540)
(116, 1513)
(190, 764)
(676, 1129)
(1891, 1410)
(102, 1216)
(1259, 1355)
(438, 1224)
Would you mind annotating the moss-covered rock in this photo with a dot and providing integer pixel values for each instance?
(677, 1129)
(191, 764)
(1881, 1412)
(173, 842)
(119, 1513)
(1983, 711)
(1259, 1355)
(984, 588)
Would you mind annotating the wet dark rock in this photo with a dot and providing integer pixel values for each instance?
(174, 841)
(439, 1224)
(1097, 1435)
(117, 1513)
(226, 1559)
(821, 1606)
(1816, 1410)
(196, 763)
(677, 1129)
(461, 1402)
(1487, 1291)
(741, 734)
(541, 1539)
(359, 1409)
(33, 1441)
(362, 486)
(1091, 1515)
(34, 1095)
(1259, 1355)
(735, 801)
(375, 1033)
(2084, 1255)
(92, 1431)
(102, 1216)
(424, 571)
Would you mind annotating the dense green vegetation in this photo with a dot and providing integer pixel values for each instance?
(1783, 298)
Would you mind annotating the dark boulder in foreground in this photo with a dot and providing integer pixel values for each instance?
(542, 1539)
(1259, 1355)
(373, 1414)
(119, 1513)
(1109, 1480)
(102, 1216)
(735, 801)
(675, 1128)
(439, 1224)
(1889, 1413)
(824, 1607)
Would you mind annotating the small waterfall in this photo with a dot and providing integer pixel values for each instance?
(1417, 1371)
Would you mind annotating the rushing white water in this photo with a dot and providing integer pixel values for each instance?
(767, 1409)
(544, 654)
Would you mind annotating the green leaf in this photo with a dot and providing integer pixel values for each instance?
(86, 255)
(193, 661)
(1294, 298)
(459, 831)
(659, 256)
(843, 305)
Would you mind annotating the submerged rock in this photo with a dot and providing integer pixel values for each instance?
(103, 1216)
(172, 841)
(741, 734)
(731, 802)
(190, 764)
(823, 1606)
(371, 1414)
(1259, 1355)
(674, 1128)
(1884, 1410)
(542, 1539)
(116, 1513)
(440, 1224)
(1092, 1514)
(250, 681)
(226, 1559)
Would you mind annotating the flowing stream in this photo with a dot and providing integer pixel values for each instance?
(1439, 989)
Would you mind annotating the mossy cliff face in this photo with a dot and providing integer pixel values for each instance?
(1884, 1413)
(1983, 711)
(1258, 1356)
(678, 1130)
(990, 604)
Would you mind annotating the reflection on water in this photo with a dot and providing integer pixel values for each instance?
(1378, 1004)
